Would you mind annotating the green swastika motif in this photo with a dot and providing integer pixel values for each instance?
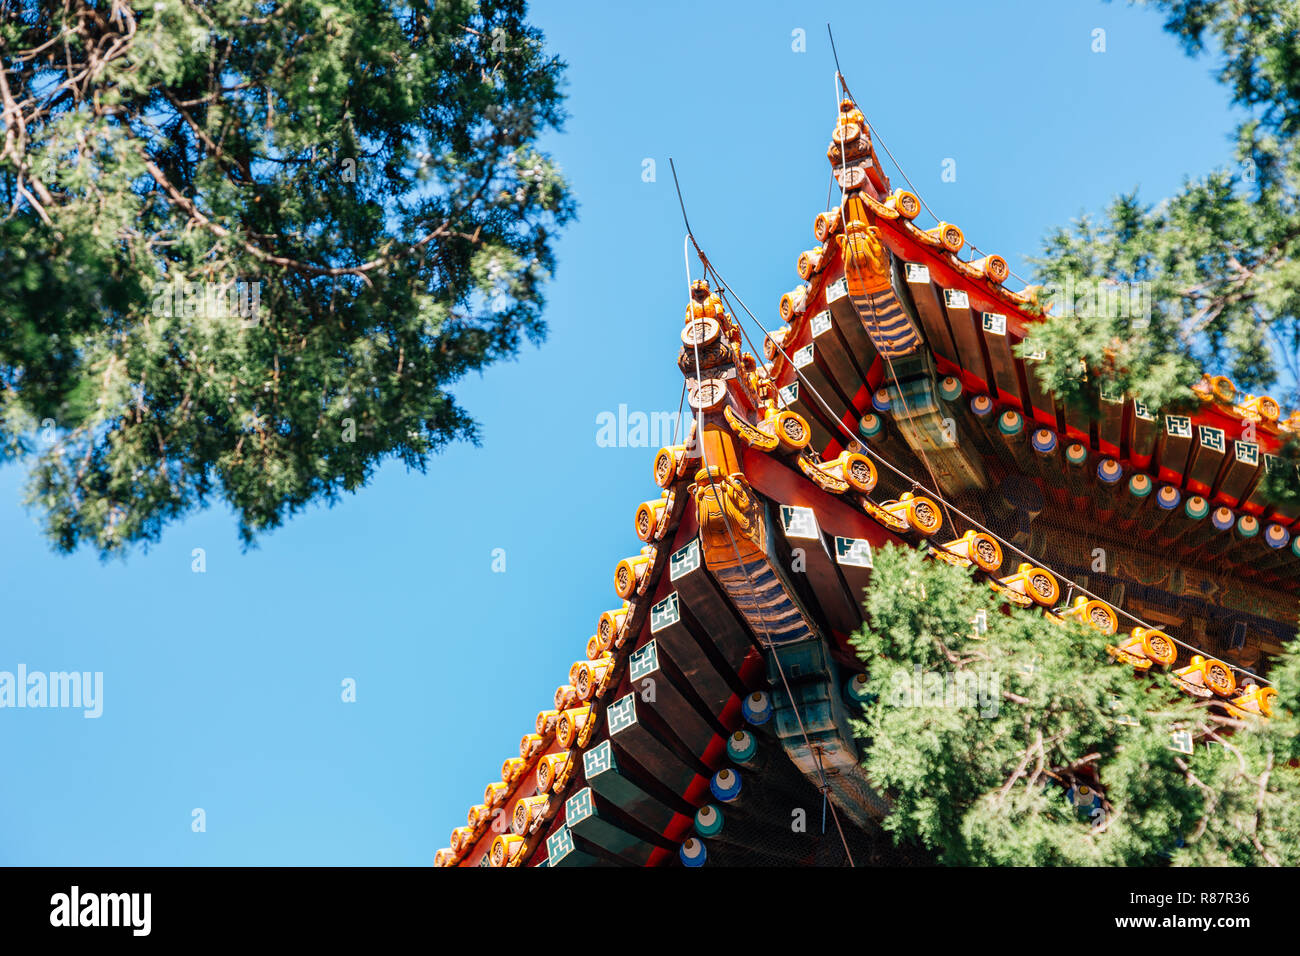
(666, 612)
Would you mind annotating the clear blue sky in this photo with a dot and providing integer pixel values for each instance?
(222, 690)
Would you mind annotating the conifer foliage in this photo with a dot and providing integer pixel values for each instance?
(1006, 738)
(245, 247)
(1207, 279)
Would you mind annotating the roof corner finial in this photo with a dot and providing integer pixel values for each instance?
(852, 154)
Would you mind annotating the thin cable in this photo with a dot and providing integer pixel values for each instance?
(875, 320)
(835, 54)
(881, 140)
(704, 262)
(726, 522)
(830, 187)
(843, 83)
(902, 172)
(900, 473)
(876, 134)
(677, 425)
(915, 484)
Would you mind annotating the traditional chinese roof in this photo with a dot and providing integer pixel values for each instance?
(891, 407)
